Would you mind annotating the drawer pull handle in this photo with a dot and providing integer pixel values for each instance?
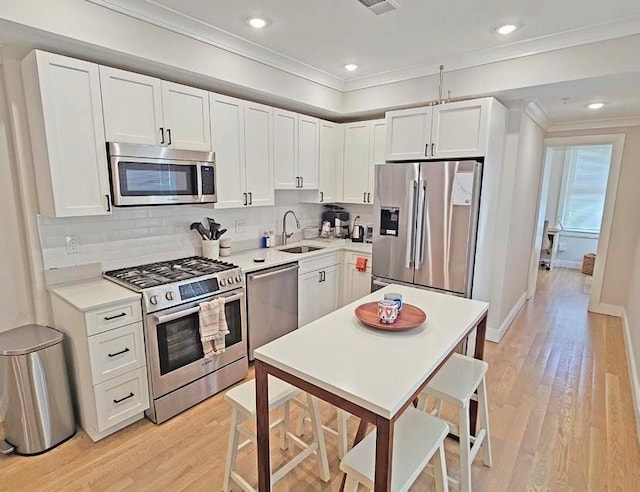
(109, 318)
(119, 353)
(130, 395)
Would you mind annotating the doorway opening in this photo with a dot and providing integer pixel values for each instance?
(577, 194)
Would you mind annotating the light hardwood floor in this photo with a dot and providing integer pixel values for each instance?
(560, 410)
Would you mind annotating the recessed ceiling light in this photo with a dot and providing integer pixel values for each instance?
(257, 22)
(506, 29)
(595, 105)
(351, 67)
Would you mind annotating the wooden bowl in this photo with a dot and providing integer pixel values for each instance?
(410, 317)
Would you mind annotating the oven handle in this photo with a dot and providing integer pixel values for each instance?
(181, 314)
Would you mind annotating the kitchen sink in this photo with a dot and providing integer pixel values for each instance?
(301, 249)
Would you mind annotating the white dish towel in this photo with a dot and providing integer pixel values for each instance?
(213, 327)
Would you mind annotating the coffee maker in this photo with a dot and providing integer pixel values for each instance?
(338, 218)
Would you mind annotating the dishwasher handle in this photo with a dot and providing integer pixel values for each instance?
(272, 273)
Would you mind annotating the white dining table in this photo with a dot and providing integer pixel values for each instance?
(372, 374)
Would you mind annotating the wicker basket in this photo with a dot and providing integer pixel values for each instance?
(588, 262)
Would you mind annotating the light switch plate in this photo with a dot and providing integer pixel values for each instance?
(241, 226)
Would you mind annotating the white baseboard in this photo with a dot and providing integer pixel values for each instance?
(574, 265)
(495, 335)
(633, 373)
(608, 309)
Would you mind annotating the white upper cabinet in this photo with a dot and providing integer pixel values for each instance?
(132, 105)
(145, 110)
(377, 155)
(461, 129)
(67, 135)
(227, 137)
(295, 147)
(242, 137)
(331, 144)
(308, 133)
(445, 131)
(408, 133)
(285, 149)
(357, 149)
(186, 117)
(258, 121)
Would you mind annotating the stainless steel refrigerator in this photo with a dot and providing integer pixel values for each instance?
(425, 224)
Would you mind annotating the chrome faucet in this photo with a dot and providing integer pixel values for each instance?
(286, 236)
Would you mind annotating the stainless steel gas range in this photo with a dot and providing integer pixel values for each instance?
(179, 374)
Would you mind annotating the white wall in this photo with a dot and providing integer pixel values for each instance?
(524, 178)
(625, 226)
(16, 304)
(632, 309)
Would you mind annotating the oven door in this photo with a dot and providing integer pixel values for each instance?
(148, 181)
(174, 351)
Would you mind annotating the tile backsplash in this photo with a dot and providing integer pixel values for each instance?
(138, 235)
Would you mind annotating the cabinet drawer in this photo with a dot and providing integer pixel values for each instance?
(113, 317)
(116, 352)
(352, 257)
(121, 398)
(318, 263)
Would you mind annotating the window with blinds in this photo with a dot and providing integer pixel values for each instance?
(586, 172)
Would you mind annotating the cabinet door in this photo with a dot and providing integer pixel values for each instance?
(376, 154)
(67, 135)
(307, 297)
(359, 283)
(308, 131)
(186, 117)
(357, 140)
(228, 139)
(285, 149)
(461, 129)
(329, 164)
(408, 134)
(132, 106)
(328, 291)
(258, 121)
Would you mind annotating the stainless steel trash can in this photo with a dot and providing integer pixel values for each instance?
(39, 411)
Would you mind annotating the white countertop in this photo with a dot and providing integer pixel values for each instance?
(375, 369)
(93, 294)
(274, 257)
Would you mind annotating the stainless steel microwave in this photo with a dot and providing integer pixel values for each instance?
(153, 175)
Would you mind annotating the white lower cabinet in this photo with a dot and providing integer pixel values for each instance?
(318, 287)
(107, 364)
(356, 283)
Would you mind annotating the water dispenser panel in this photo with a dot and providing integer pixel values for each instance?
(389, 221)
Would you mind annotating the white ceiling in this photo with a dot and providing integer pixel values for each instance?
(326, 34)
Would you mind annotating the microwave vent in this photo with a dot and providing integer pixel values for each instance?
(380, 7)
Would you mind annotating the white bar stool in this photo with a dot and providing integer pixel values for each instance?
(341, 432)
(242, 399)
(456, 383)
(417, 439)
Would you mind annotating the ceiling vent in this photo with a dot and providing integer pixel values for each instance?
(380, 7)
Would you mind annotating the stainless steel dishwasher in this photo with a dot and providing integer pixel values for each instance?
(272, 304)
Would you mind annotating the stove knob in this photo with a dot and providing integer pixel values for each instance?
(153, 300)
(169, 296)
(230, 280)
(238, 278)
(223, 282)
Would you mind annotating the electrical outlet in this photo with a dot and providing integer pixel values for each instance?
(72, 244)
(241, 226)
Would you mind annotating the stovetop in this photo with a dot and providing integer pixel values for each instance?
(171, 283)
(166, 272)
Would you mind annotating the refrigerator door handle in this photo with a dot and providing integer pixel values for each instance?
(411, 243)
(421, 216)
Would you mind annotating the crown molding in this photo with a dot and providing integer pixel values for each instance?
(180, 23)
(621, 122)
(538, 114)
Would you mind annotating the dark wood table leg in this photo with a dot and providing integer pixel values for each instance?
(481, 334)
(384, 454)
(262, 424)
